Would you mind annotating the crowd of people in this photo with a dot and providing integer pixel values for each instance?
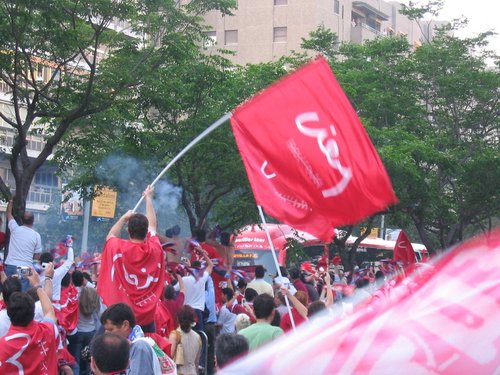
(149, 308)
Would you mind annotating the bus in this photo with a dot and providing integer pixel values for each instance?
(252, 247)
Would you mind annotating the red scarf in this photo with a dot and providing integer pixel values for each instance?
(69, 313)
(29, 350)
(133, 273)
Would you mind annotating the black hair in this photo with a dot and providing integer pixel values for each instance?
(186, 317)
(117, 314)
(46, 257)
(362, 282)
(21, 309)
(315, 308)
(294, 274)
(138, 226)
(174, 231)
(260, 271)
(250, 294)
(77, 278)
(276, 319)
(242, 283)
(87, 276)
(66, 280)
(110, 352)
(263, 306)
(228, 292)
(229, 346)
(11, 285)
(200, 235)
(225, 238)
(169, 292)
(196, 263)
(283, 271)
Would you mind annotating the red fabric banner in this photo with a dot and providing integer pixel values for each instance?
(403, 250)
(443, 319)
(68, 313)
(133, 273)
(309, 159)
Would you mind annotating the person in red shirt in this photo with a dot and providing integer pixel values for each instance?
(299, 310)
(29, 347)
(200, 236)
(133, 270)
(174, 301)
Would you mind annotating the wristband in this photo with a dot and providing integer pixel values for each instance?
(48, 277)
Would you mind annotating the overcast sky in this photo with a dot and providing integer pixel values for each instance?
(483, 15)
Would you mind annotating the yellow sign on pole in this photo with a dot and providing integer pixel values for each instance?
(104, 204)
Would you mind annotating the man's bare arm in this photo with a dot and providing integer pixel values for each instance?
(150, 210)
(9, 211)
(117, 227)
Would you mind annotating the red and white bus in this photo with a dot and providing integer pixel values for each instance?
(252, 247)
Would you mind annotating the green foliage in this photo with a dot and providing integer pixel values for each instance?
(86, 94)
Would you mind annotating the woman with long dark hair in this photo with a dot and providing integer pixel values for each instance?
(186, 343)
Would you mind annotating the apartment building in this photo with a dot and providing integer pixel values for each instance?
(46, 186)
(264, 30)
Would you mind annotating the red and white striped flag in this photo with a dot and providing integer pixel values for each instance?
(444, 321)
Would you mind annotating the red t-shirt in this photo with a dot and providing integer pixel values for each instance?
(173, 305)
(133, 273)
(2, 240)
(286, 323)
(29, 350)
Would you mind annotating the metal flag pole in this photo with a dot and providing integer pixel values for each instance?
(202, 135)
(261, 213)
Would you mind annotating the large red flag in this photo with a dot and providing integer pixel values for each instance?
(309, 159)
(441, 321)
(403, 250)
(133, 273)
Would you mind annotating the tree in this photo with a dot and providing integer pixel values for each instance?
(66, 39)
(432, 114)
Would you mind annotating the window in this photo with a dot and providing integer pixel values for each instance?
(279, 34)
(336, 6)
(211, 38)
(230, 37)
(280, 2)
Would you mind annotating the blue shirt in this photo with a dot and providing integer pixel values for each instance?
(210, 301)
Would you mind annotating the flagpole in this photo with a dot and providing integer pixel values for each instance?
(202, 135)
(261, 213)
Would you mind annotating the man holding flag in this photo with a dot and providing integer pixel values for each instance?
(133, 270)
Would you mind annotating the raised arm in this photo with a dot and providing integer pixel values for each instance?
(210, 265)
(9, 211)
(182, 286)
(117, 227)
(150, 210)
(301, 309)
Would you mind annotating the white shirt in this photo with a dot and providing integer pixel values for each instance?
(59, 273)
(284, 281)
(24, 243)
(195, 291)
(227, 320)
(5, 320)
(261, 286)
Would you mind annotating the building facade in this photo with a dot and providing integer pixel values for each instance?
(265, 30)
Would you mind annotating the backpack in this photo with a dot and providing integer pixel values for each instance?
(165, 365)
